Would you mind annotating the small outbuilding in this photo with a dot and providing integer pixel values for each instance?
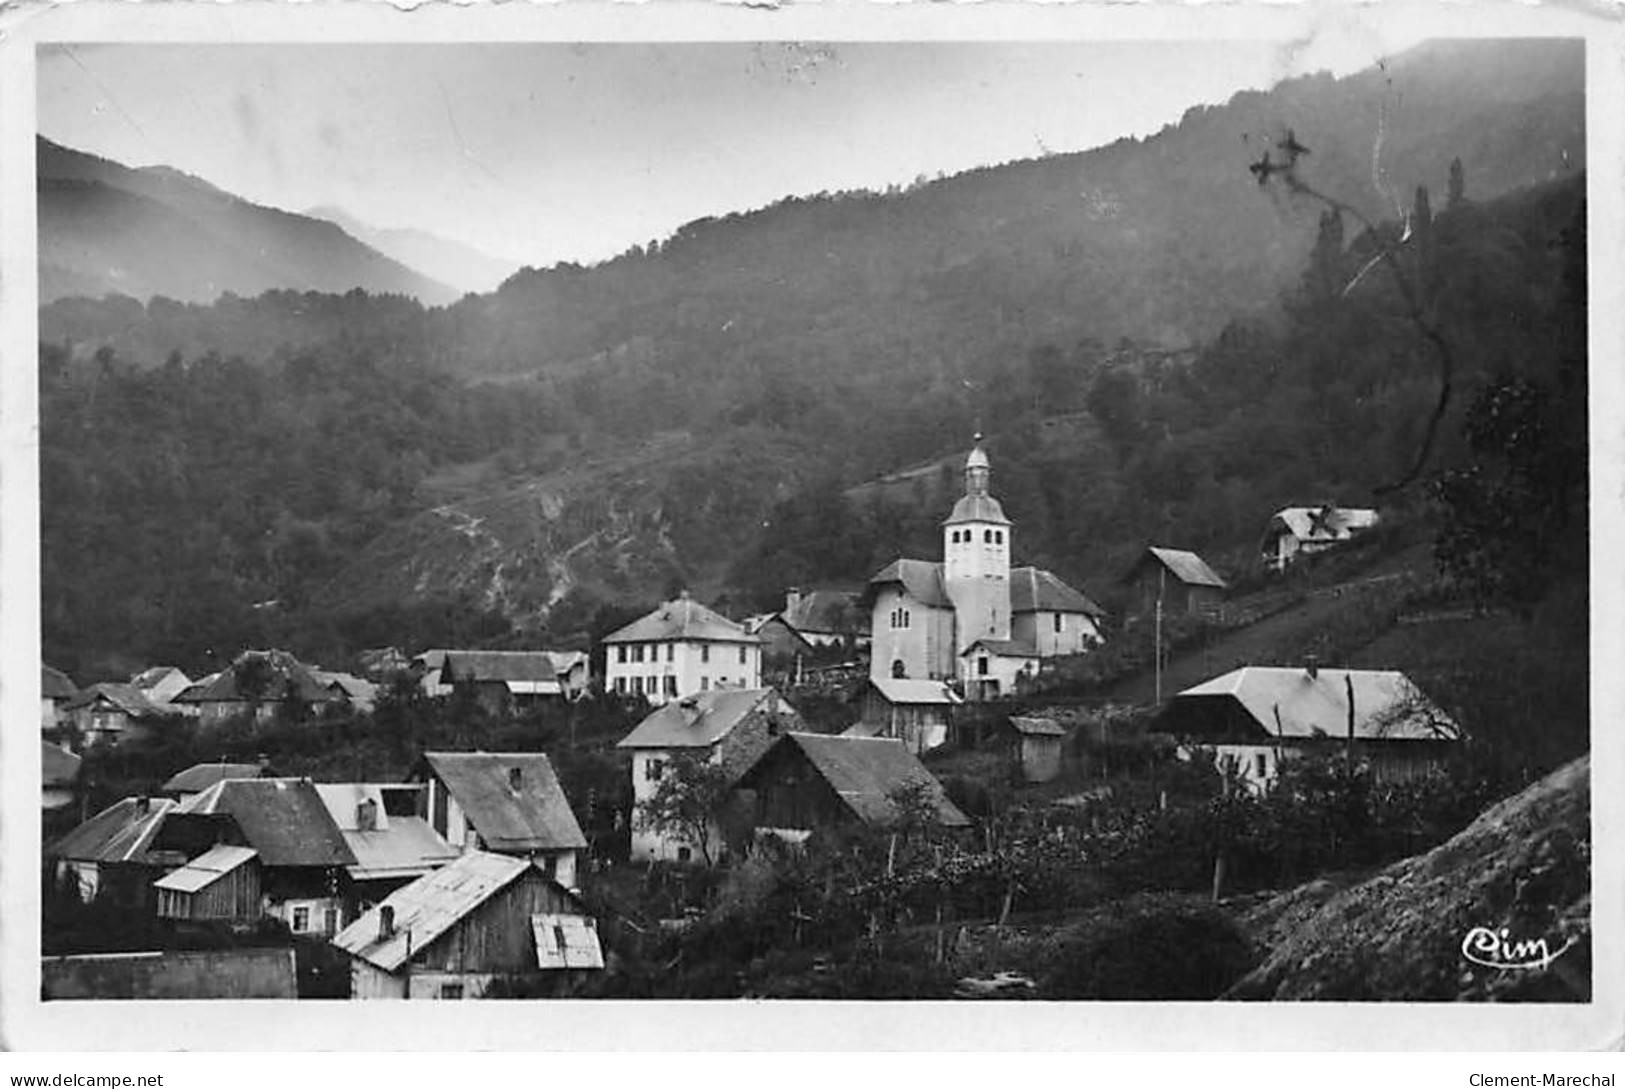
(220, 885)
(919, 713)
(1035, 747)
(1180, 579)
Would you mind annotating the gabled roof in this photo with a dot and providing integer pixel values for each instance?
(200, 777)
(534, 817)
(535, 666)
(120, 833)
(430, 906)
(360, 692)
(58, 766)
(396, 846)
(283, 819)
(1187, 567)
(921, 578)
(566, 660)
(865, 771)
(1387, 705)
(126, 697)
(1033, 589)
(1036, 727)
(683, 619)
(1004, 648)
(206, 869)
(1323, 523)
(55, 684)
(701, 720)
(903, 690)
(825, 612)
(289, 676)
(154, 674)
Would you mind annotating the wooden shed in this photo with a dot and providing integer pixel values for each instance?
(220, 885)
(1035, 747)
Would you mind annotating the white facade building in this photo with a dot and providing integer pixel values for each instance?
(680, 649)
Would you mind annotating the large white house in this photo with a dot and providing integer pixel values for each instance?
(973, 617)
(679, 649)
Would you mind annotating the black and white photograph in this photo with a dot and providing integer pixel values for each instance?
(1024, 523)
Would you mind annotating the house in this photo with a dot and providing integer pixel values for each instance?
(393, 845)
(161, 683)
(482, 917)
(222, 885)
(925, 616)
(1181, 580)
(302, 857)
(55, 689)
(572, 669)
(919, 713)
(1253, 718)
(1295, 531)
(113, 855)
(807, 782)
(783, 647)
(347, 690)
(507, 803)
(381, 664)
(200, 777)
(1035, 747)
(679, 649)
(194, 974)
(109, 713)
(730, 727)
(500, 679)
(59, 778)
(259, 683)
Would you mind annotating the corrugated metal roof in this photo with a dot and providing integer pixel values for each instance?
(865, 771)
(702, 719)
(536, 816)
(1037, 727)
(55, 684)
(206, 869)
(1033, 589)
(1387, 705)
(566, 941)
(120, 833)
(684, 618)
(396, 846)
(200, 777)
(283, 819)
(1187, 567)
(904, 690)
(429, 906)
(58, 766)
(921, 578)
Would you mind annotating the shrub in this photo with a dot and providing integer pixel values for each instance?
(1147, 948)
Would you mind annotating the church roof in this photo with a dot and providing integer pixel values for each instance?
(977, 508)
(1033, 589)
(921, 578)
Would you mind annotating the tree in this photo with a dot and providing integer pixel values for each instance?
(692, 790)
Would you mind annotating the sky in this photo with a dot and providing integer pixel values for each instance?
(540, 153)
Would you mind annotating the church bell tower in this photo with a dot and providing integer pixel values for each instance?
(976, 558)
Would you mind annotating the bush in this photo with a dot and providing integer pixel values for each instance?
(1147, 948)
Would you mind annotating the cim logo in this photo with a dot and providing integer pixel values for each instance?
(1496, 949)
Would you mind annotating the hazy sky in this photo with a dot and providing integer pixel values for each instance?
(542, 153)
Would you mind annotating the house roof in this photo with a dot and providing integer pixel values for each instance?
(1327, 522)
(977, 508)
(55, 684)
(283, 819)
(865, 771)
(397, 846)
(566, 941)
(1387, 705)
(1033, 589)
(58, 766)
(1004, 648)
(921, 578)
(830, 612)
(1036, 727)
(536, 816)
(206, 869)
(535, 666)
(430, 906)
(566, 660)
(1187, 567)
(200, 777)
(701, 720)
(155, 674)
(288, 676)
(120, 833)
(683, 619)
(126, 697)
(905, 690)
(360, 692)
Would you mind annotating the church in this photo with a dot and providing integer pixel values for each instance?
(972, 618)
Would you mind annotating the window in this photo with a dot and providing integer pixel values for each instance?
(330, 921)
(898, 669)
(981, 666)
(671, 651)
(684, 854)
(671, 686)
(301, 920)
(705, 653)
(637, 653)
(1261, 764)
(1060, 622)
(451, 990)
(653, 686)
(620, 684)
(998, 536)
(987, 536)
(741, 655)
(620, 653)
(705, 684)
(653, 770)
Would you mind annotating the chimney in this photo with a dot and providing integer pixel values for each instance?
(143, 804)
(792, 599)
(366, 816)
(516, 779)
(1311, 665)
(386, 922)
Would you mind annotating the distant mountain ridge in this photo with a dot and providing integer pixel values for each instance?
(461, 266)
(105, 228)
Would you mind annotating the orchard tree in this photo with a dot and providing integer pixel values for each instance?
(691, 792)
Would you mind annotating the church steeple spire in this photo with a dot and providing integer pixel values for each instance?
(977, 469)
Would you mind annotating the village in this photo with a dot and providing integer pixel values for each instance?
(941, 751)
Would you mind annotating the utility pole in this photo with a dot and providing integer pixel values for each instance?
(1156, 648)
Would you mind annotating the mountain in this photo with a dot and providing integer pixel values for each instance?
(448, 262)
(107, 229)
